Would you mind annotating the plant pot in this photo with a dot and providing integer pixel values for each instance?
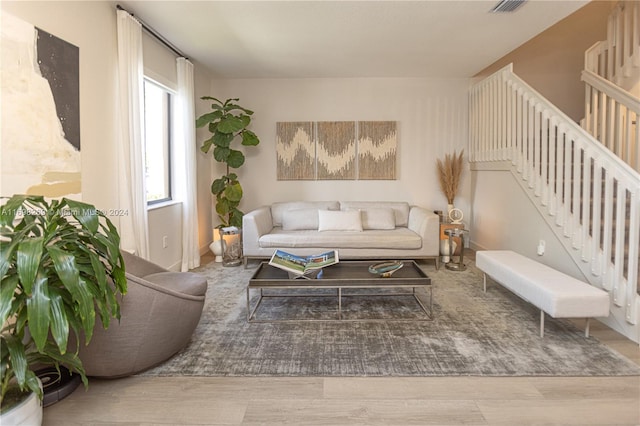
(26, 412)
(231, 246)
(446, 251)
(57, 386)
(217, 248)
(449, 208)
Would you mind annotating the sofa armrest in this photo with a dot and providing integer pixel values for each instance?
(255, 224)
(427, 225)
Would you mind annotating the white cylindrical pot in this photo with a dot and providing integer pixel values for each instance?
(216, 248)
(447, 251)
(449, 208)
(26, 413)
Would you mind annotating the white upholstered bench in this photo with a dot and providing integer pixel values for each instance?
(553, 292)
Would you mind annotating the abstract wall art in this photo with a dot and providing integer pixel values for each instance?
(40, 139)
(296, 150)
(336, 150)
(377, 143)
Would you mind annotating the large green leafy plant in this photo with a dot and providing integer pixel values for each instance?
(60, 264)
(227, 122)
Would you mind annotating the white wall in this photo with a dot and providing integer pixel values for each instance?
(551, 62)
(432, 121)
(166, 223)
(504, 218)
(92, 27)
(159, 62)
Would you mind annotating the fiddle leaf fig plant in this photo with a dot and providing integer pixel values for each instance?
(227, 122)
(60, 265)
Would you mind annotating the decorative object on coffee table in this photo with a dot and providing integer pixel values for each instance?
(385, 269)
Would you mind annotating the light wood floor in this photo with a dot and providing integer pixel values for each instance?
(513, 401)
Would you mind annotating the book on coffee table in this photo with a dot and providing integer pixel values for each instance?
(303, 266)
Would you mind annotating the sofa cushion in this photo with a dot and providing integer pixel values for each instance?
(400, 208)
(329, 220)
(277, 209)
(298, 220)
(378, 218)
(399, 238)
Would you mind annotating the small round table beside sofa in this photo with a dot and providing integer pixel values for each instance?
(457, 233)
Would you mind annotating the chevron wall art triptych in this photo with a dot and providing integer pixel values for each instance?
(296, 148)
(336, 150)
(377, 143)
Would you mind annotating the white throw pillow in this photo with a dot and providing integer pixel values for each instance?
(378, 218)
(329, 220)
(300, 220)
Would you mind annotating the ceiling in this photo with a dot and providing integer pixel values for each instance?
(334, 39)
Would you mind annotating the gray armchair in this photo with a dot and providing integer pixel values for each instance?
(159, 314)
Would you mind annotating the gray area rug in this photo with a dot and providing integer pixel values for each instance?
(473, 333)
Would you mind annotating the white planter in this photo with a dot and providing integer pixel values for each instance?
(217, 247)
(27, 413)
(447, 251)
(449, 208)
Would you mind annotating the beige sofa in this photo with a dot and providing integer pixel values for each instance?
(357, 229)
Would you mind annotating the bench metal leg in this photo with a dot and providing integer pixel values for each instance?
(484, 282)
(541, 323)
(586, 328)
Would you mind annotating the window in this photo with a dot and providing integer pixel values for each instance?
(157, 141)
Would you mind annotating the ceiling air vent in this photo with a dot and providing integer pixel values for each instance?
(507, 6)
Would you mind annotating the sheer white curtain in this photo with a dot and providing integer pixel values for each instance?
(185, 158)
(134, 226)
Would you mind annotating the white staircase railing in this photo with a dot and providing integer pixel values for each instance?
(615, 58)
(611, 116)
(588, 196)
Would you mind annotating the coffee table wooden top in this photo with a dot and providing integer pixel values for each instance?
(346, 274)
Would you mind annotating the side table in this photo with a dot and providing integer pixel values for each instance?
(456, 233)
(443, 236)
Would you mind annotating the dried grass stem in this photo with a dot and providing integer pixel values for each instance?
(449, 172)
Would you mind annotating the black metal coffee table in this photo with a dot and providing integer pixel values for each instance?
(344, 275)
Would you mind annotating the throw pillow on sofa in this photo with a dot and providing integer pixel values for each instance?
(378, 218)
(300, 220)
(278, 208)
(330, 220)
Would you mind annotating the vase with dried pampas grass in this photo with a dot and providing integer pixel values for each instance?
(449, 172)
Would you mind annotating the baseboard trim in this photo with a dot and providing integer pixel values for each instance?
(475, 246)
